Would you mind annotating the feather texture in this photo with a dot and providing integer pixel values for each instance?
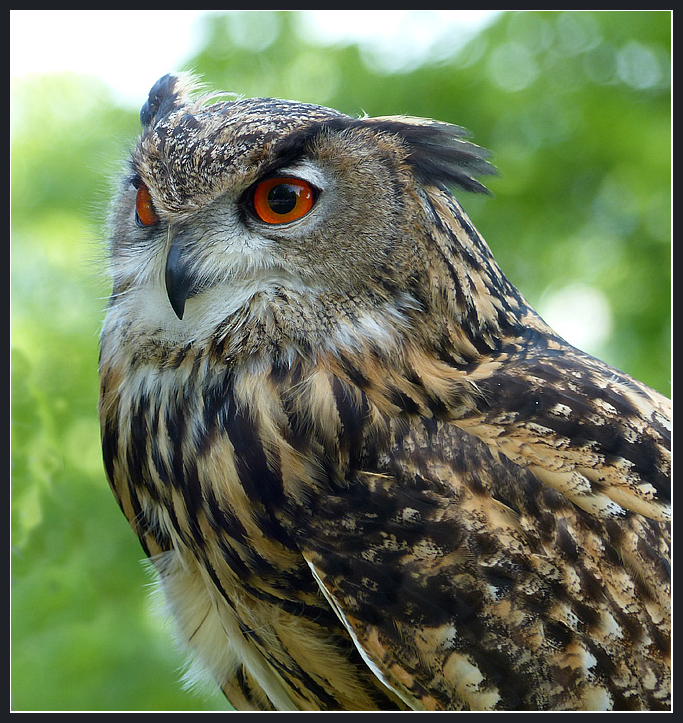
(368, 475)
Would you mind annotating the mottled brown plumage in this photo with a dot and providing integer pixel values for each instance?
(368, 475)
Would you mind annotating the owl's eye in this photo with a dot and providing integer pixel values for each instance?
(281, 199)
(145, 215)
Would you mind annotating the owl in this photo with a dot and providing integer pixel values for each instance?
(366, 473)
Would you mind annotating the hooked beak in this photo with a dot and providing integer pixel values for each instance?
(181, 283)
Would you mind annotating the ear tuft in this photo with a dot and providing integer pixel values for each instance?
(438, 151)
(169, 92)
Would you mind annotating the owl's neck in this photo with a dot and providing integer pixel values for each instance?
(278, 325)
(474, 311)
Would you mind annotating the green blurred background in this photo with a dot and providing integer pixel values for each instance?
(576, 109)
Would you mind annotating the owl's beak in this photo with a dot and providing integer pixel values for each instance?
(180, 280)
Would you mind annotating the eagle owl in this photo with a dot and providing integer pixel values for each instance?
(368, 474)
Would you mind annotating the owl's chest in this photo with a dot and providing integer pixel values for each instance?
(203, 483)
(196, 469)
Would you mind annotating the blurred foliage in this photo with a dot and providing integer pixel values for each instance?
(575, 106)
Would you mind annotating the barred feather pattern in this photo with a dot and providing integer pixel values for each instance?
(417, 499)
(541, 566)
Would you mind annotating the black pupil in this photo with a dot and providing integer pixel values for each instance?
(282, 198)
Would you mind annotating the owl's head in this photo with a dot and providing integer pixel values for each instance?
(291, 217)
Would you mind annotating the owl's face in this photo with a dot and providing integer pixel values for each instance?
(265, 209)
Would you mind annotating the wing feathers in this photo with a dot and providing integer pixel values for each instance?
(468, 584)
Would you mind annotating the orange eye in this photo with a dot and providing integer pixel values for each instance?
(145, 215)
(279, 200)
